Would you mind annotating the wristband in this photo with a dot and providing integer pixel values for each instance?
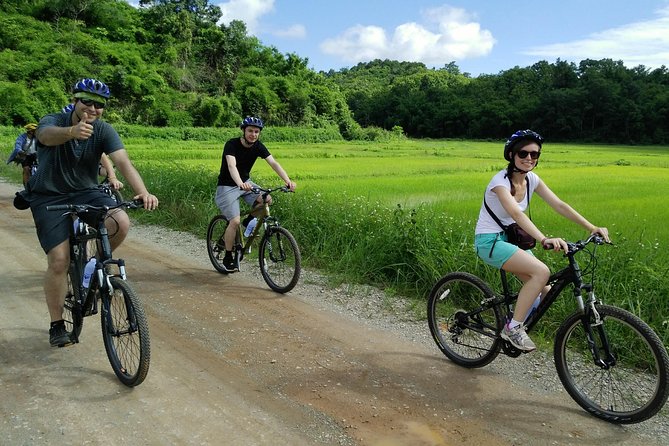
(543, 241)
(69, 132)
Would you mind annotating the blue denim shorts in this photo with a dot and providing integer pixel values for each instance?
(494, 250)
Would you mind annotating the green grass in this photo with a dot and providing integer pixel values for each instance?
(400, 214)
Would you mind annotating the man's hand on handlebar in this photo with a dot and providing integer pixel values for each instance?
(150, 200)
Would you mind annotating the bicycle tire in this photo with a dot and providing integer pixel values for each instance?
(632, 389)
(215, 243)
(466, 332)
(125, 333)
(280, 259)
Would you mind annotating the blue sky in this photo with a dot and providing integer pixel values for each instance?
(480, 36)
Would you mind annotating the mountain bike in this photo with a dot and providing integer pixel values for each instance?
(609, 361)
(278, 254)
(93, 287)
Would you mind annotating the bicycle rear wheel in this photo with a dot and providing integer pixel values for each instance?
(280, 259)
(216, 243)
(116, 195)
(125, 333)
(630, 385)
(465, 330)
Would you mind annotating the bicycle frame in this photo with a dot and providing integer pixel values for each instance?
(558, 281)
(262, 213)
(81, 234)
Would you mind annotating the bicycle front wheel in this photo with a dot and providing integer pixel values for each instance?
(125, 333)
(216, 242)
(627, 383)
(280, 259)
(463, 326)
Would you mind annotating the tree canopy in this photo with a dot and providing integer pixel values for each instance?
(169, 63)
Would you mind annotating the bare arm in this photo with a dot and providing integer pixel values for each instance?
(234, 173)
(109, 172)
(55, 136)
(279, 171)
(122, 161)
(567, 211)
(511, 207)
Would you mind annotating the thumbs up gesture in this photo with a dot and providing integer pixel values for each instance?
(83, 130)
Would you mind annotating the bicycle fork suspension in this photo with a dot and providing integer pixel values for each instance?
(279, 248)
(594, 331)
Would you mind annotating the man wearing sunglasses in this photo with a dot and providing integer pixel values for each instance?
(69, 147)
(507, 196)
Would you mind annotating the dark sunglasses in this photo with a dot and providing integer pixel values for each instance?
(89, 102)
(522, 154)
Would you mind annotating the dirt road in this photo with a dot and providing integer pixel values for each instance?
(234, 363)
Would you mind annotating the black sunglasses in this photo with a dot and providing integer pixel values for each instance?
(89, 102)
(522, 154)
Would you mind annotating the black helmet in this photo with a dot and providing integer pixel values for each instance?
(520, 135)
(252, 121)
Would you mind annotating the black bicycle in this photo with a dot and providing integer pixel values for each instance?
(278, 255)
(94, 287)
(609, 361)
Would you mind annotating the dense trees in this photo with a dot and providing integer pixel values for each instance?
(169, 63)
(598, 100)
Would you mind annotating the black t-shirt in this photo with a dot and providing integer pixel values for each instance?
(245, 156)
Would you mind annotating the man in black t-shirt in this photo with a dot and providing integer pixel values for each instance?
(239, 156)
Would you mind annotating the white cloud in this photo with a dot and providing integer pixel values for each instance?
(249, 11)
(449, 34)
(641, 43)
(293, 32)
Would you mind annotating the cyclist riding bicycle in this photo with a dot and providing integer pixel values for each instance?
(507, 197)
(239, 156)
(69, 147)
(24, 152)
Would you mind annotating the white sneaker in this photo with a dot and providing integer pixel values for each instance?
(518, 338)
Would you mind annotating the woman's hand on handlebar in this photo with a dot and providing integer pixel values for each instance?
(555, 243)
(150, 200)
(604, 232)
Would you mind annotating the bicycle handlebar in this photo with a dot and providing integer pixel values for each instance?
(257, 190)
(574, 247)
(81, 208)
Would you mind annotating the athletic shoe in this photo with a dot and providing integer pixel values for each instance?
(229, 265)
(518, 338)
(59, 336)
